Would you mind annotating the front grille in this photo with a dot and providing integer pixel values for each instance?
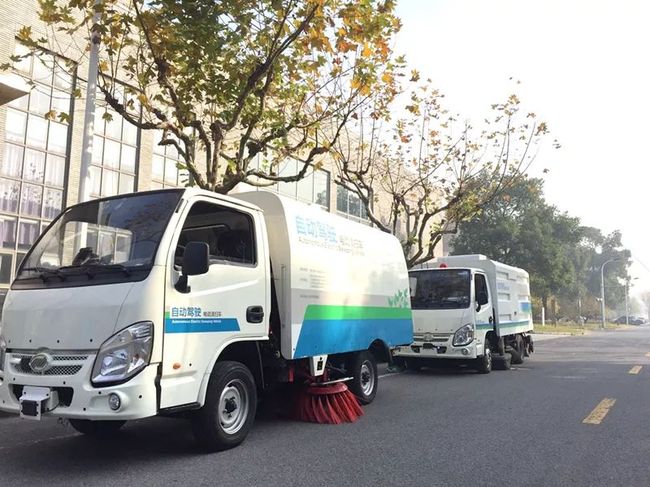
(436, 337)
(65, 364)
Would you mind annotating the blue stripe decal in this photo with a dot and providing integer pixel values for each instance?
(320, 337)
(200, 325)
(525, 306)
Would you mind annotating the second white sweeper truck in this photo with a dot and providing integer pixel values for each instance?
(189, 302)
(470, 309)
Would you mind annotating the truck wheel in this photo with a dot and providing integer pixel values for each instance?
(484, 363)
(518, 351)
(502, 362)
(98, 429)
(364, 377)
(229, 410)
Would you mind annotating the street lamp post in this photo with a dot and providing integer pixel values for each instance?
(602, 291)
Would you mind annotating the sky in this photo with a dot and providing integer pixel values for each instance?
(583, 67)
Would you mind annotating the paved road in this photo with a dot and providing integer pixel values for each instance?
(447, 428)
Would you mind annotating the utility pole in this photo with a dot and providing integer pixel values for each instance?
(89, 112)
(602, 291)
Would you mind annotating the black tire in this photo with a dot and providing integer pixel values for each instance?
(483, 364)
(365, 379)
(97, 429)
(501, 362)
(518, 351)
(231, 386)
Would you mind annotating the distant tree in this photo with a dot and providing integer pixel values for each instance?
(520, 229)
(230, 82)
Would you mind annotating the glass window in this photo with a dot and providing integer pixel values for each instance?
(16, 121)
(158, 168)
(37, 131)
(60, 101)
(55, 170)
(28, 232)
(341, 199)
(5, 268)
(52, 203)
(13, 161)
(58, 138)
(31, 199)
(9, 193)
(440, 289)
(34, 165)
(7, 232)
(164, 170)
(127, 183)
(109, 183)
(43, 69)
(349, 204)
(322, 188)
(115, 151)
(95, 180)
(305, 188)
(128, 159)
(228, 233)
(39, 101)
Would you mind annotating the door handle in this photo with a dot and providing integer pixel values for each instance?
(491, 320)
(254, 314)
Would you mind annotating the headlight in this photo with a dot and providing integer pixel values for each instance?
(463, 336)
(3, 353)
(123, 355)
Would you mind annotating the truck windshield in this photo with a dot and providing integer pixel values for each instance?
(440, 289)
(113, 239)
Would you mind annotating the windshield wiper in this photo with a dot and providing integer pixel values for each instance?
(45, 274)
(92, 269)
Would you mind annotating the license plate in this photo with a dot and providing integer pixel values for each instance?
(32, 402)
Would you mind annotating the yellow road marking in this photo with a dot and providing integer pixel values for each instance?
(600, 411)
(635, 370)
(647, 354)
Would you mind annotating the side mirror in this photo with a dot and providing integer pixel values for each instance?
(482, 298)
(196, 260)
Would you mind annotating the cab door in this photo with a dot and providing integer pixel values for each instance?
(228, 303)
(484, 318)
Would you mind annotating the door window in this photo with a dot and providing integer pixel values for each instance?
(228, 233)
(480, 286)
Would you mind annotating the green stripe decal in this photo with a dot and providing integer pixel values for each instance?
(326, 312)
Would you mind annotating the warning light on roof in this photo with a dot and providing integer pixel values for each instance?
(443, 266)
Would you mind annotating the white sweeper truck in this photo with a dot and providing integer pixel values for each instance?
(470, 309)
(186, 302)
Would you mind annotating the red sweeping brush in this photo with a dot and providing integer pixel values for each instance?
(327, 404)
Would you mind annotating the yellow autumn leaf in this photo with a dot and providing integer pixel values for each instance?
(24, 33)
(367, 51)
(103, 65)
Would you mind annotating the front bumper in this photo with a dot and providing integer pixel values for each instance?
(78, 399)
(439, 350)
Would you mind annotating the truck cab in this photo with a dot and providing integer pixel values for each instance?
(452, 313)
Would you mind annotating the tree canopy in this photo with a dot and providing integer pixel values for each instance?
(562, 257)
(436, 170)
(237, 86)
